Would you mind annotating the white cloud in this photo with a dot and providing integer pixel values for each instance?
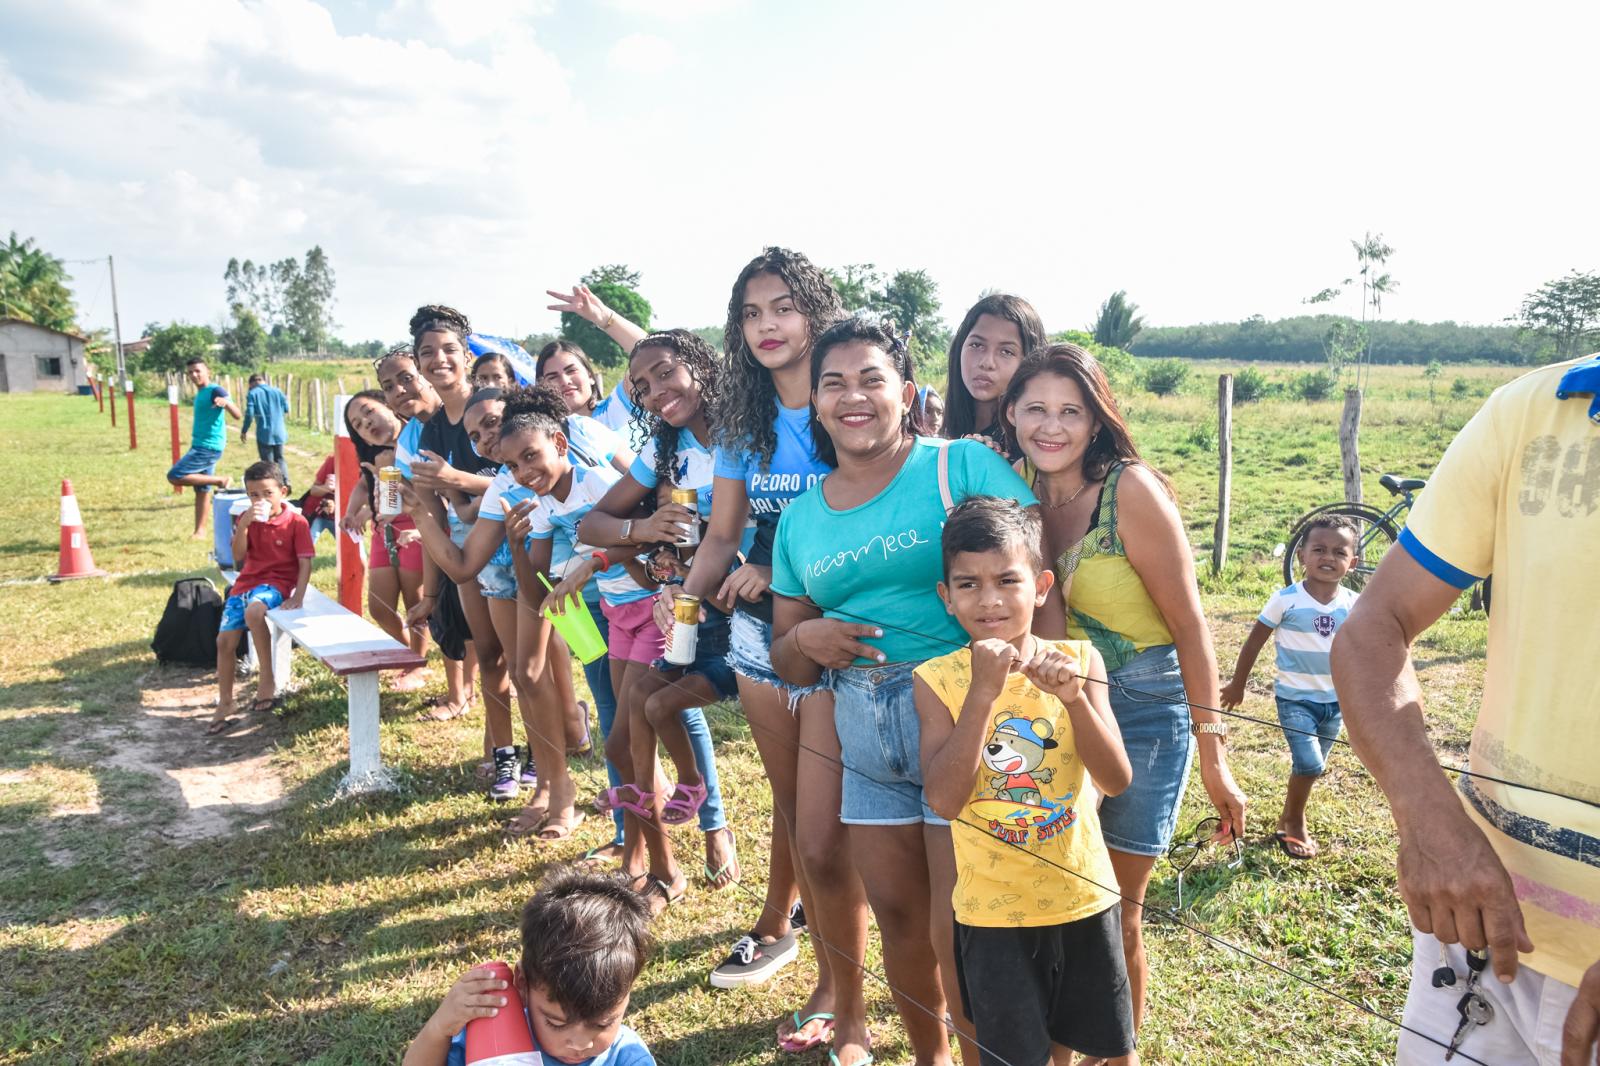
(674, 9)
(642, 53)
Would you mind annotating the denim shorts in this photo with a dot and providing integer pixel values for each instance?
(498, 581)
(196, 461)
(880, 743)
(1154, 719)
(1301, 717)
(234, 606)
(750, 656)
(710, 657)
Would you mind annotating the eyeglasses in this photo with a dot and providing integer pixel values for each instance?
(1185, 849)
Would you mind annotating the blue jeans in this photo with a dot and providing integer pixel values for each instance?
(1154, 720)
(1300, 719)
(598, 674)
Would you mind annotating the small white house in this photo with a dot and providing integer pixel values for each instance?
(34, 358)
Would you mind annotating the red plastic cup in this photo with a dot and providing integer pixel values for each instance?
(505, 1039)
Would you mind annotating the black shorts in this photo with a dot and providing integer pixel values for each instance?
(448, 622)
(1027, 988)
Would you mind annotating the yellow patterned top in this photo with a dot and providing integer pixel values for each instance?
(1028, 845)
(1107, 603)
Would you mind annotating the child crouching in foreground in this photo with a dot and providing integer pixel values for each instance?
(584, 941)
(273, 543)
(1011, 738)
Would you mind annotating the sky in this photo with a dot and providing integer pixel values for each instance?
(1212, 160)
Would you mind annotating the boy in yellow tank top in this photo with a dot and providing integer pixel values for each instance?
(1011, 740)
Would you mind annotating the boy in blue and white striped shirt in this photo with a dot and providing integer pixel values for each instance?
(1305, 617)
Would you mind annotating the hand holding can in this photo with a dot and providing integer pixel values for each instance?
(683, 642)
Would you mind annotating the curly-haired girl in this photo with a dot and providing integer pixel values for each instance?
(766, 457)
(674, 376)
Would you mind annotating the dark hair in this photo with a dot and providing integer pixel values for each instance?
(256, 379)
(1112, 443)
(532, 407)
(263, 471)
(585, 938)
(919, 411)
(483, 395)
(365, 453)
(564, 345)
(1341, 523)
(960, 409)
(745, 417)
(494, 357)
(866, 330)
(399, 351)
(704, 368)
(437, 317)
(990, 524)
(194, 360)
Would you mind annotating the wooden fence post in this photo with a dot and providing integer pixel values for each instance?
(1350, 445)
(322, 425)
(1219, 539)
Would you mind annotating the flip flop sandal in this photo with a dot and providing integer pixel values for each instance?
(593, 856)
(219, 725)
(585, 749)
(833, 1060)
(273, 703)
(444, 712)
(683, 804)
(729, 869)
(552, 830)
(520, 826)
(796, 1046)
(1284, 840)
(659, 887)
(611, 800)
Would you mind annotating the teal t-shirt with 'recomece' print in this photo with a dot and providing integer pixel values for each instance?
(879, 563)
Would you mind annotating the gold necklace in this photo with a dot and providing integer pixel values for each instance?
(1069, 499)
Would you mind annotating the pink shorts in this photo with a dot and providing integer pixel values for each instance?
(635, 637)
(410, 554)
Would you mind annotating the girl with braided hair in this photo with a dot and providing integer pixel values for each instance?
(674, 376)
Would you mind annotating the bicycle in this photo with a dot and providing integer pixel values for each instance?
(1376, 533)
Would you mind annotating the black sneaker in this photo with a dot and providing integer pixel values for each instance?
(797, 917)
(506, 766)
(753, 961)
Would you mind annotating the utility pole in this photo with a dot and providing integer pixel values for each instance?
(116, 320)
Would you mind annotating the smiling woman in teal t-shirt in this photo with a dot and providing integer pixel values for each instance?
(854, 573)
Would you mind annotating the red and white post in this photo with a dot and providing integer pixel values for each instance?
(346, 471)
(172, 412)
(133, 433)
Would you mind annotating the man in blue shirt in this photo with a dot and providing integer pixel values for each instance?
(267, 407)
(198, 467)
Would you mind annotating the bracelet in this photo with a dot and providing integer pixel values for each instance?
(797, 646)
(611, 316)
(429, 595)
(602, 558)
(1218, 728)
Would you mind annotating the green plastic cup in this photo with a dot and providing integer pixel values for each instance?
(577, 627)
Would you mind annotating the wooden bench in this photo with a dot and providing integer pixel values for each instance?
(354, 649)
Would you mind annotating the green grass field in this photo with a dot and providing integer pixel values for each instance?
(162, 903)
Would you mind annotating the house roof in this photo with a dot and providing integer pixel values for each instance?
(47, 329)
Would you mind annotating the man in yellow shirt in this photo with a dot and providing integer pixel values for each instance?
(1513, 869)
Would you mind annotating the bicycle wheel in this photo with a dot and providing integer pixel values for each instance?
(1376, 534)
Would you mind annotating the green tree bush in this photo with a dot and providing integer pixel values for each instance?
(1249, 385)
(33, 286)
(1314, 386)
(617, 287)
(1117, 324)
(175, 344)
(1166, 376)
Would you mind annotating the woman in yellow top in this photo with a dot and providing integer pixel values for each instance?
(1123, 564)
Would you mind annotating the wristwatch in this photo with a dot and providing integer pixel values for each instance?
(627, 530)
(1219, 728)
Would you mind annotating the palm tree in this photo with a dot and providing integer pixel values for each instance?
(1116, 327)
(33, 286)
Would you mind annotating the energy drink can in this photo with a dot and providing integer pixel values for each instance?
(685, 629)
(689, 498)
(389, 491)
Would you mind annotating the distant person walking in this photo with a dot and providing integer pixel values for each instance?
(198, 467)
(266, 406)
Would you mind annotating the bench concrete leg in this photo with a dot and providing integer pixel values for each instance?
(367, 773)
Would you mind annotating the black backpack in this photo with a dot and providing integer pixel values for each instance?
(187, 632)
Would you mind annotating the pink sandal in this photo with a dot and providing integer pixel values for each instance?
(611, 800)
(684, 803)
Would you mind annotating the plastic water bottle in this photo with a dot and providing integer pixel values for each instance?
(505, 1039)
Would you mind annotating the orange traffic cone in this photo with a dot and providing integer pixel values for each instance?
(76, 561)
